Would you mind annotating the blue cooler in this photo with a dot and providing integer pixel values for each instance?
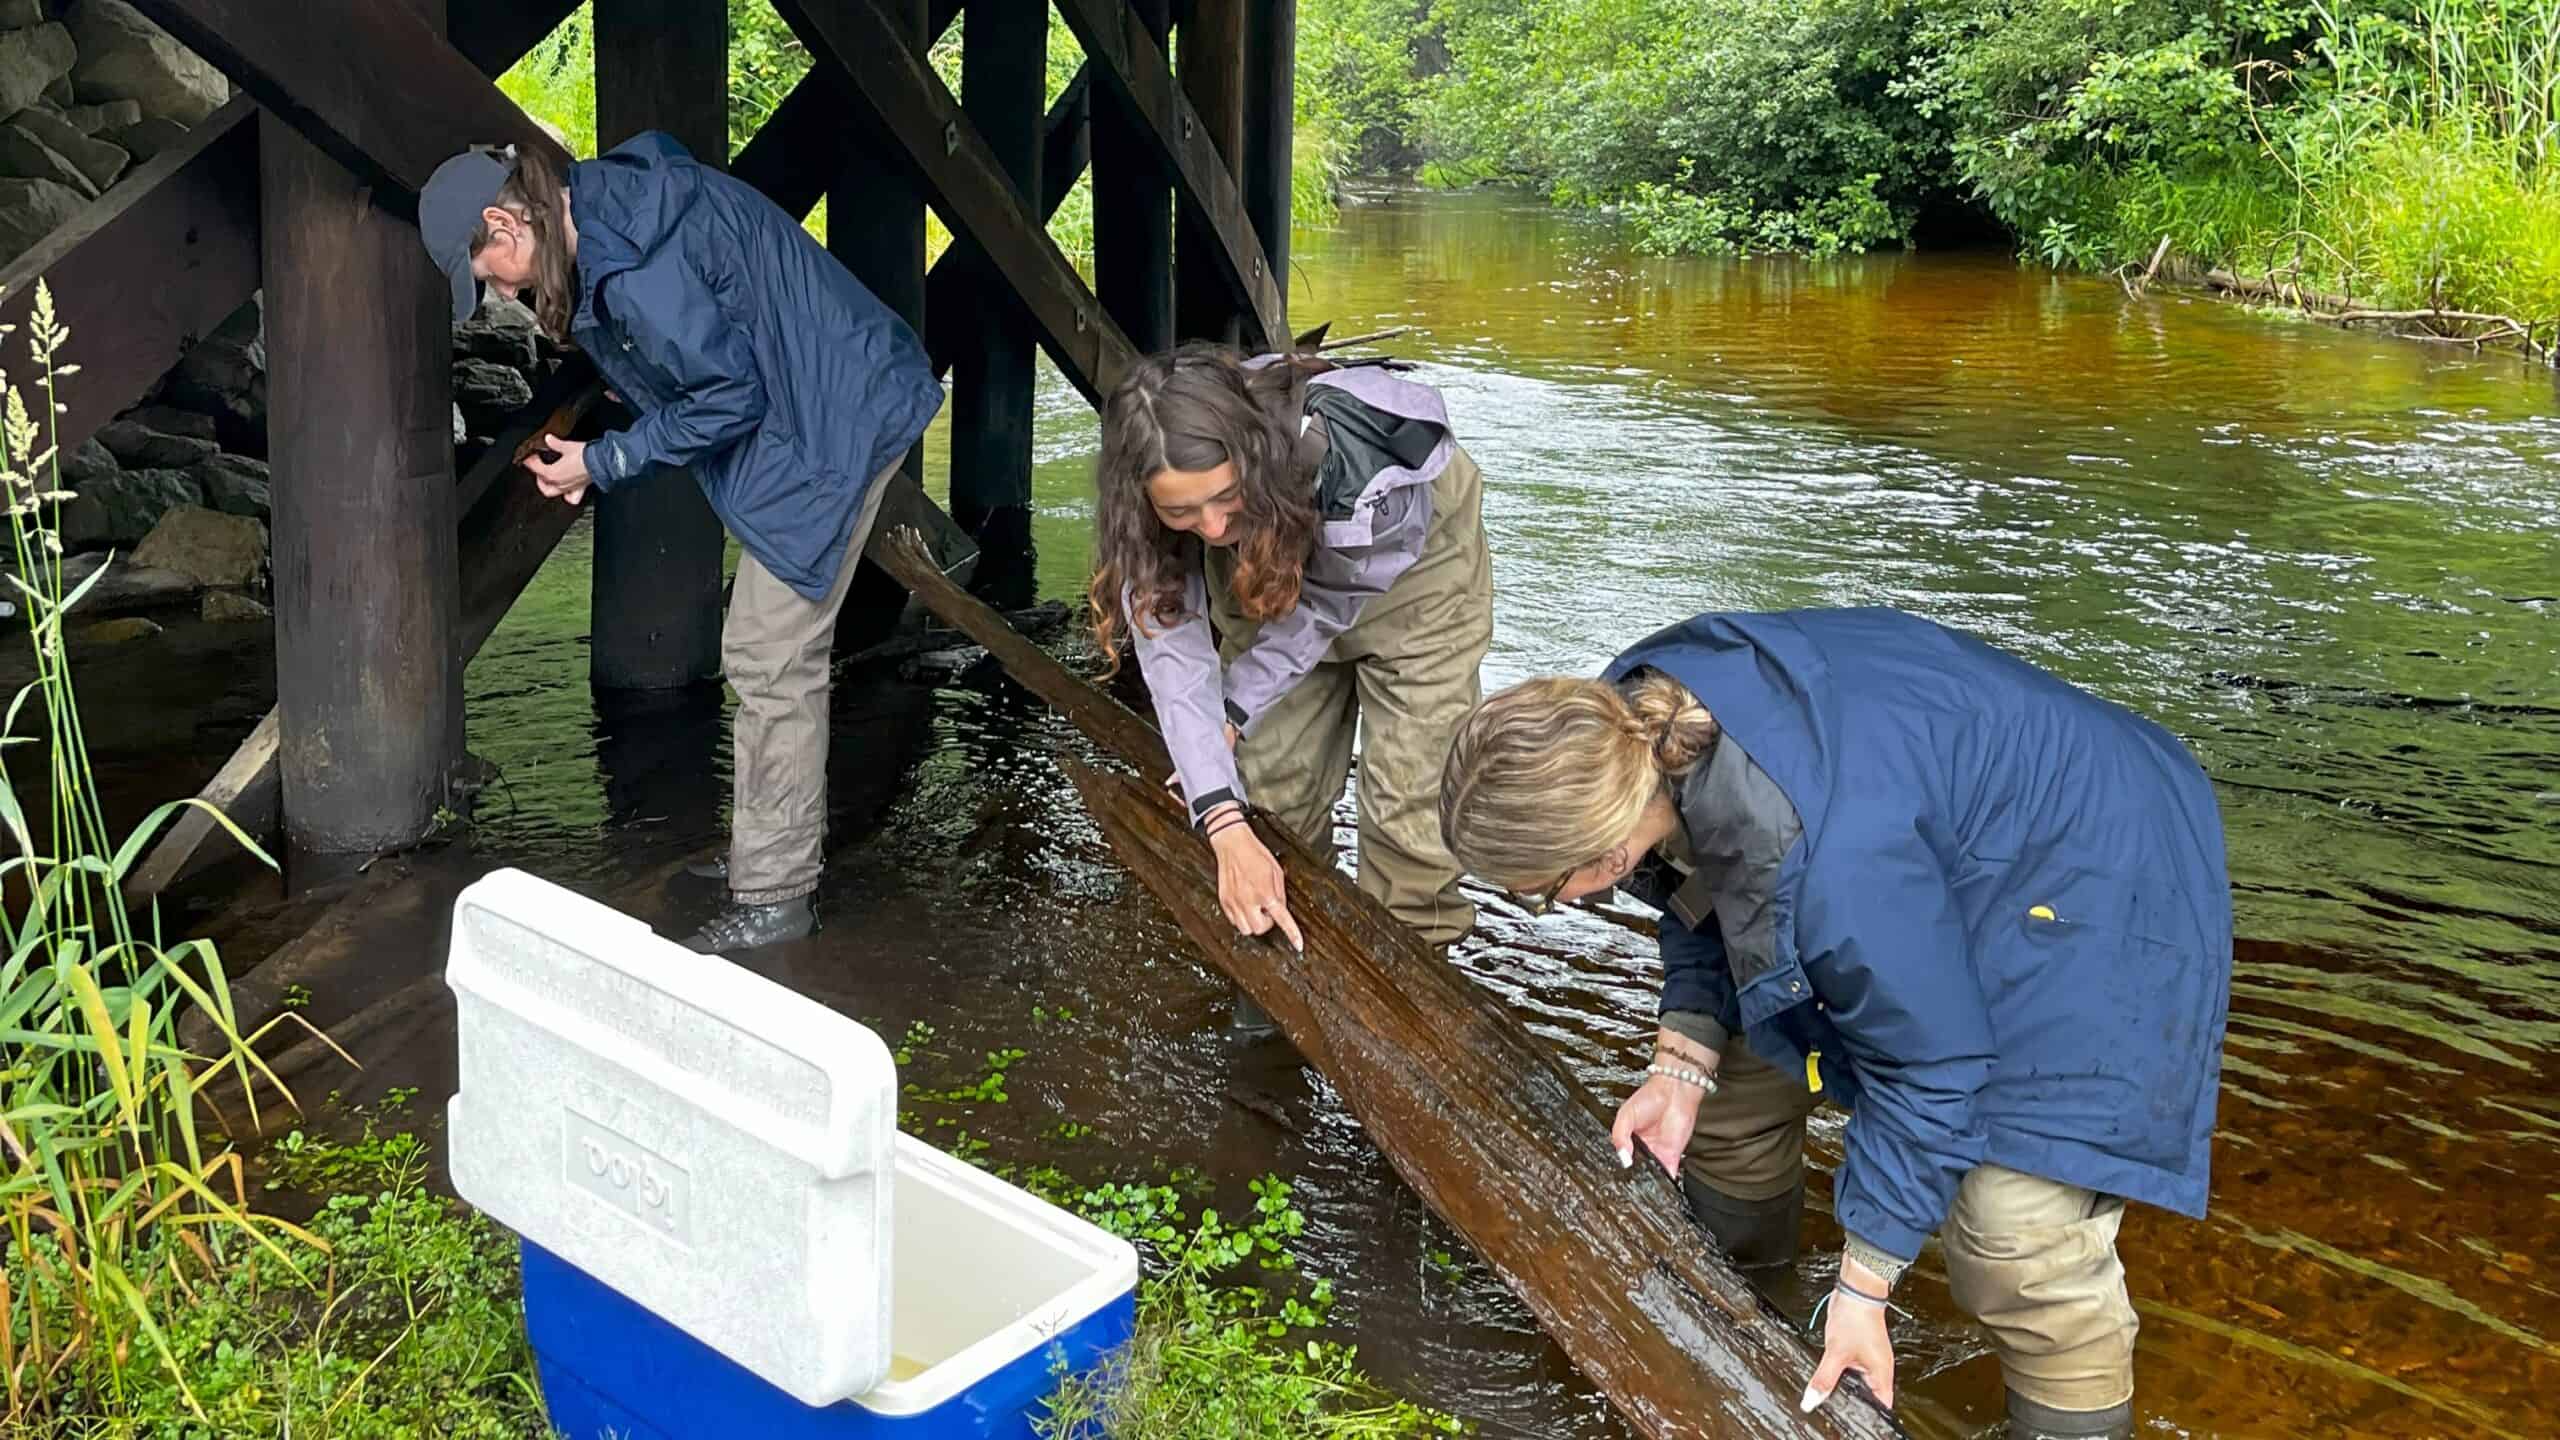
(724, 1234)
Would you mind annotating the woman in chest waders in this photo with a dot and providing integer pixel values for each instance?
(1326, 519)
(1985, 912)
(750, 357)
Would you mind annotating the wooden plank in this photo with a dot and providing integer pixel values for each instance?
(1198, 143)
(188, 220)
(359, 439)
(966, 184)
(376, 87)
(1270, 121)
(1133, 206)
(654, 616)
(1065, 151)
(1475, 1113)
(1211, 41)
(495, 34)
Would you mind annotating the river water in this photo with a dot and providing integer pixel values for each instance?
(2330, 562)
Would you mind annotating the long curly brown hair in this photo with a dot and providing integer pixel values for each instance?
(1195, 408)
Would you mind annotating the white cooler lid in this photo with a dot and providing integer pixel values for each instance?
(713, 1145)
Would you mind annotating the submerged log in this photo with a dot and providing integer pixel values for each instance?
(1478, 1116)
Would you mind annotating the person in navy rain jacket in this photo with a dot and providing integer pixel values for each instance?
(751, 357)
(1984, 911)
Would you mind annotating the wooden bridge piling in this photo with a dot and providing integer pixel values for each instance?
(1133, 209)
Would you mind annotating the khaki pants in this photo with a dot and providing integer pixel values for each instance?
(1403, 677)
(2033, 1259)
(776, 649)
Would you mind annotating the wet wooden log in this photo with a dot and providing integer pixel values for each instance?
(1478, 1116)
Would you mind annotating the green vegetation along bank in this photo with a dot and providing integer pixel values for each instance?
(2405, 153)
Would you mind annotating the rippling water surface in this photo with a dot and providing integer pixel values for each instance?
(2330, 562)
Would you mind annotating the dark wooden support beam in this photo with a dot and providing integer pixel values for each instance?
(1212, 43)
(1271, 99)
(187, 222)
(1229, 270)
(372, 84)
(1132, 199)
(1003, 69)
(875, 228)
(655, 620)
(965, 183)
(359, 439)
(495, 34)
(961, 273)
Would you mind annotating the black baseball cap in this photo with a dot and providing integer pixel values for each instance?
(449, 215)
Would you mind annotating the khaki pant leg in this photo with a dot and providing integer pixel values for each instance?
(1419, 651)
(1749, 1144)
(776, 647)
(2035, 1261)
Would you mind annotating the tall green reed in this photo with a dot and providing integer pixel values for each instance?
(111, 1198)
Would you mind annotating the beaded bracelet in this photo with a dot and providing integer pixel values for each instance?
(1684, 1075)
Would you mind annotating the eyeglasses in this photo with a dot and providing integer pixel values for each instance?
(1546, 900)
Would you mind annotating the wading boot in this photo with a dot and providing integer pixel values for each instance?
(1248, 1020)
(2031, 1421)
(1755, 1234)
(749, 927)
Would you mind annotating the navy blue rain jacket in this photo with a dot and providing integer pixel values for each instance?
(2005, 927)
(747, 352)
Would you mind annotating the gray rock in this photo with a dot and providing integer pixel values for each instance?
(107, 634)
(507, 345)
(235, 485)
(137, 446)
(135, 501)
(461, 432)
(31, 60)
(21, 14)
(28, 158)
(30, 210)
(149, 137)
(488, 393)
(170, 420)
(206, 546)
(101, 119)
(123, 56)
(89, 465)
(225, 375)
(230, 607)
(97, 160)
(125, 588)
(59, 94)
(81, 522)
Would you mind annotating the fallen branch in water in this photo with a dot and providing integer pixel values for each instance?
(1477, 1115)
(2340, 310)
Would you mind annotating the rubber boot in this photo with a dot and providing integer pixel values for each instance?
(748, 927)
(715, 867)
(2031, 1421)
(1755, 1234)
(1248, 1020)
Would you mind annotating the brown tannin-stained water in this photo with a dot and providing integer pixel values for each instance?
(2330, 562)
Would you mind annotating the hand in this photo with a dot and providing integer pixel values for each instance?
(1661, 1114)
(1251, 888)
(564, 477)
(1854, 1338)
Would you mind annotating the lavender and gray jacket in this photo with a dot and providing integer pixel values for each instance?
(1356, 558)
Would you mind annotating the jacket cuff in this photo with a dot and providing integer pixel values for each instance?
(1211, 801)
(1697, 1026)
(603, 463)
(1236, 715)
(1887, 1266)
